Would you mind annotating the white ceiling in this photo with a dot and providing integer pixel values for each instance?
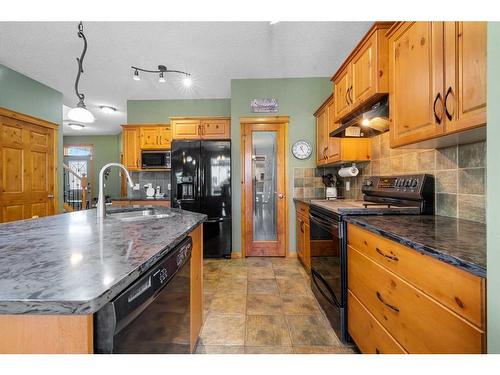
(214, 52)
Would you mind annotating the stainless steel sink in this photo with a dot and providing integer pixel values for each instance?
(138, 215)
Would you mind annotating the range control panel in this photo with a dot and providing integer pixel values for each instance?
(412, 186)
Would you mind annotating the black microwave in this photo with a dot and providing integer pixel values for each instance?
(156, 159)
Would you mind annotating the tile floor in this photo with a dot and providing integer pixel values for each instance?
(263, 305)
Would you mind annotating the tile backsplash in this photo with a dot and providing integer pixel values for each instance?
(459, 171)
(161, 179)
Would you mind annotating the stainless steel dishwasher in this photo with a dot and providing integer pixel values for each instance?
(152, 314)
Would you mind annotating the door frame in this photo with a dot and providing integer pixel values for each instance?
(280, 120)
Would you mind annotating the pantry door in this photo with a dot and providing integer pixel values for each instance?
(264, 182)
(27, 167)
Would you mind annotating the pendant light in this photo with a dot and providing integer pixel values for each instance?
(80, 113)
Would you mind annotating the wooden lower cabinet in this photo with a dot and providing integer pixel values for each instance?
(302, 228)
(196, 288)
(405, 297)
(370, 336)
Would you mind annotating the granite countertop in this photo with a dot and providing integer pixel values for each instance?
(141, 199)
(461, 243)
(75, 263)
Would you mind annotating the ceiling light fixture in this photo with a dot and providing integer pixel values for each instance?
(75, 126)
(107, 109)
(365, 122)
(273, 22)
(80, 113)
(162, 69)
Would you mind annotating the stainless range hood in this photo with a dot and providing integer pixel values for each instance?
(367, 122)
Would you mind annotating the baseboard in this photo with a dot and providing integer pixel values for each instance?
(235, 255)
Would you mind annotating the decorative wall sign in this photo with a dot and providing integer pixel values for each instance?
(264, 105)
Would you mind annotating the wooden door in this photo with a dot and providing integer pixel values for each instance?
(363, 75)
(215, 129)
(27, 170)
(165, 137)
(342, 93)
(131, 149)
(321, 140)
(465, 75)
(333, 151)
(416, 82)
(150, 137)
(264, 185)
(186, 129)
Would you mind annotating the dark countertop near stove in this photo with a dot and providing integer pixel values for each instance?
(74, 263)
(141, 199)
(461, 243)
(305, 200)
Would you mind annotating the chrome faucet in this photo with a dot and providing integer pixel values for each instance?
(101, 204)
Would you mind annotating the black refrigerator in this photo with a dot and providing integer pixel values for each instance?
(201, 182)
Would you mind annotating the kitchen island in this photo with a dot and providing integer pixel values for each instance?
(56, 272)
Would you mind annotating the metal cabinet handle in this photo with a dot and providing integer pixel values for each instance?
(350, 94)
(347, 96)
(50, 196)
(301, 226)
(281, 196)
(448, 114)
(392, 307)
(438, 97)
(391, 257)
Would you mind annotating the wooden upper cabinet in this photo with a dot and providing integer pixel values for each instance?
(342, 88)
(465, 75)
(216, 129)
(186, 129)
(331, 150)
(333, 144)
(155, 137)
(363, 78)
(201, 128)
(131, 148)
(437, 79)
(321, 136)
(416, 82)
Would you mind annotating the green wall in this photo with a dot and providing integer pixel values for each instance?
(298, 98)
(140, 111)
(25, 95)
(106, 150)
(493, 206)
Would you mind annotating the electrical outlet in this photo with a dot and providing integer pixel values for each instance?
(168, 187)
(348, 185)
(136, 187)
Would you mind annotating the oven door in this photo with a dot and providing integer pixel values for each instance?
(328, 268)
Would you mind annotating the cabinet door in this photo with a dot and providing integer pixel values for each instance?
(131, 148)
(165, 137)
(307, 247)
(186, 129)
(416, 82)
(342, 93)
(363, 73)
(465, 75)
(215, 129)
(333, 144)
(299, 230)
(321, 144)
(150, 138)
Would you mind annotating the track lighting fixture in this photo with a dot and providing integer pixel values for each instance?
(162, 69)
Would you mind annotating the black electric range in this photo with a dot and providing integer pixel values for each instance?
(382, 195)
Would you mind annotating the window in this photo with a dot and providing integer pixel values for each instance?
(80, 167)
(78, 150)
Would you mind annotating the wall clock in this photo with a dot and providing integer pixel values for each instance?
(302, 149)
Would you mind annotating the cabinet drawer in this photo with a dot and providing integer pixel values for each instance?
(303, 209)
(369, 335)
(417, 322)
(458, 290)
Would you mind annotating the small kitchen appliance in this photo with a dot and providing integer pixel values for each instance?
(330, 183)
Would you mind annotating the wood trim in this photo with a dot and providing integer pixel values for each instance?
(272, 120)
(323, 105)
(150, 124)
(196, 287)
(27, 118)
(46, 334)
(265, 120)
(376, 26)
(200, 118)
